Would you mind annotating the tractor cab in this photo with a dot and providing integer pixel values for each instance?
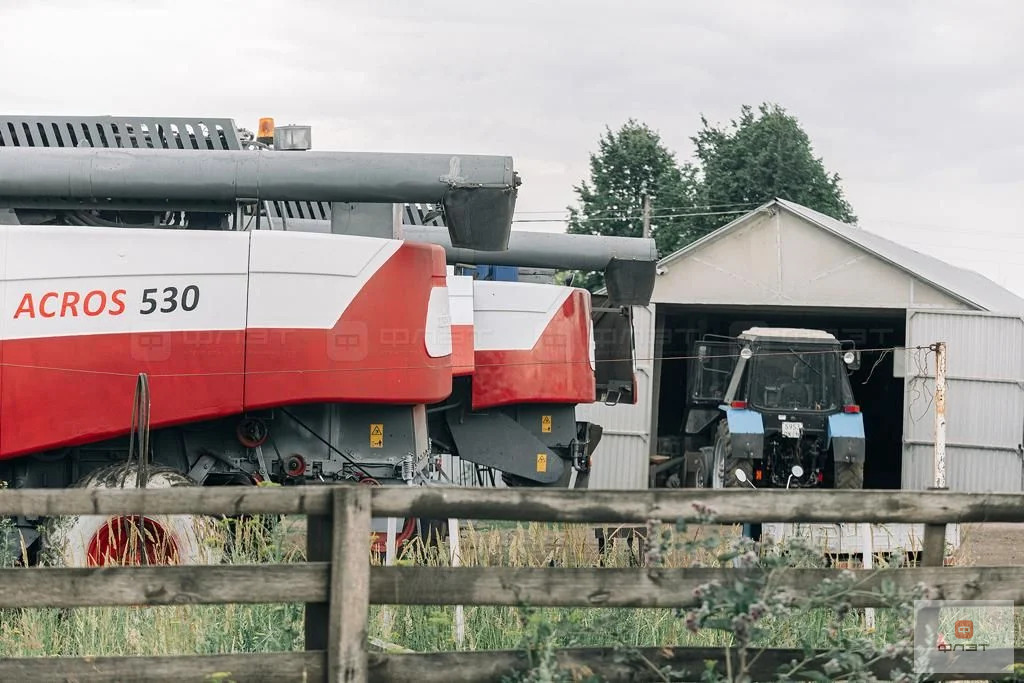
(791, 369)
(770, 400)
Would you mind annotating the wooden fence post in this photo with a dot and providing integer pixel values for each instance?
(933, 548)
(318, 549)
(349, 591)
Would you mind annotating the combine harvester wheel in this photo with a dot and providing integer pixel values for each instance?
(97, 540)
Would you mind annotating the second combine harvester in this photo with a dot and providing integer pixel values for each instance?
(139, 247)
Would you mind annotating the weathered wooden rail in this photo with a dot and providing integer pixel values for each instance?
(337, 583)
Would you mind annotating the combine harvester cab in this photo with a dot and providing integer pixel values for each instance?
(144, 275)
(529, 361)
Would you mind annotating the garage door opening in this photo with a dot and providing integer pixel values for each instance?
(878, 393)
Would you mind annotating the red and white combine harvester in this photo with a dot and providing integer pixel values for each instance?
(534, 359)
(188, 304)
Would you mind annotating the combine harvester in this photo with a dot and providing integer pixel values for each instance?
(524, 354)
(160, 332)
(533, 361)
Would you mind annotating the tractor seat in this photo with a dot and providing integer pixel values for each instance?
(796, 392)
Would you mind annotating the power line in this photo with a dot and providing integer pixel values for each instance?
(588, 219)
(153, 375)
(661, 208)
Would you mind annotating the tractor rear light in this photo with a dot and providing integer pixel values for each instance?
(821, 477)
(851, 409)
(757, 475)
(738, 404)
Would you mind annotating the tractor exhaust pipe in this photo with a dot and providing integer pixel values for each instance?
(477, 193)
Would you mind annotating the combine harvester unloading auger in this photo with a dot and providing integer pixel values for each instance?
(145, 248)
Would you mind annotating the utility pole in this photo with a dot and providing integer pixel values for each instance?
(647, 216)
(939, 460)
(933, 546)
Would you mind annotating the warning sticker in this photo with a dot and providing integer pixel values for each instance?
(376, 436)
(545, 423)
(542, 462)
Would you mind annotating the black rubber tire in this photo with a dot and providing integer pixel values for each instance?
(848, 475)
(723, 440)
(692, 443)
(432, 531)
(694, 472)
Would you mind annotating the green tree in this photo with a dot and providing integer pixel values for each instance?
(760, 156)
(630, 164)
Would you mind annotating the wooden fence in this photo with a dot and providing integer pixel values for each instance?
(337, 583)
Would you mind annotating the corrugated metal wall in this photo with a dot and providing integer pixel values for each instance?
(621, 460)
(461, 472)
(984, 400)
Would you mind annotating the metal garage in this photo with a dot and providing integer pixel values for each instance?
(786, 265)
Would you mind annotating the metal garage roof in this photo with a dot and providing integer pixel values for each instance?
(968, 286)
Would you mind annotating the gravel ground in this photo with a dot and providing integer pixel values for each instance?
(993, 545)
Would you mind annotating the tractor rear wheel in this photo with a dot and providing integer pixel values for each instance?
(724, 472)
(849, 475)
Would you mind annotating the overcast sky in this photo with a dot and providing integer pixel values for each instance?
(917, 105)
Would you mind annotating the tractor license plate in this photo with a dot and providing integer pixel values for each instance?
(792, 430)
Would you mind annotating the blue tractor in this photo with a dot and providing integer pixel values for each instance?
(774, 407)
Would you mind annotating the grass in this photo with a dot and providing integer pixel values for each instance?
(266, 628)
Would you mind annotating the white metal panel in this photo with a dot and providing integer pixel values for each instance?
(622, 459)
(67, 281)
(848, 539)
(967, 469)
(785, 260)
(984, 400)
(513, 315)
(460, 290)
(306, 281)
(964, 284)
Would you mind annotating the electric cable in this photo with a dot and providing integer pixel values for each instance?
(653, 209)
(427, 368)
(587, 219)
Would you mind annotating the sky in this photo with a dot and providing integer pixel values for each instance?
(915, 104)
